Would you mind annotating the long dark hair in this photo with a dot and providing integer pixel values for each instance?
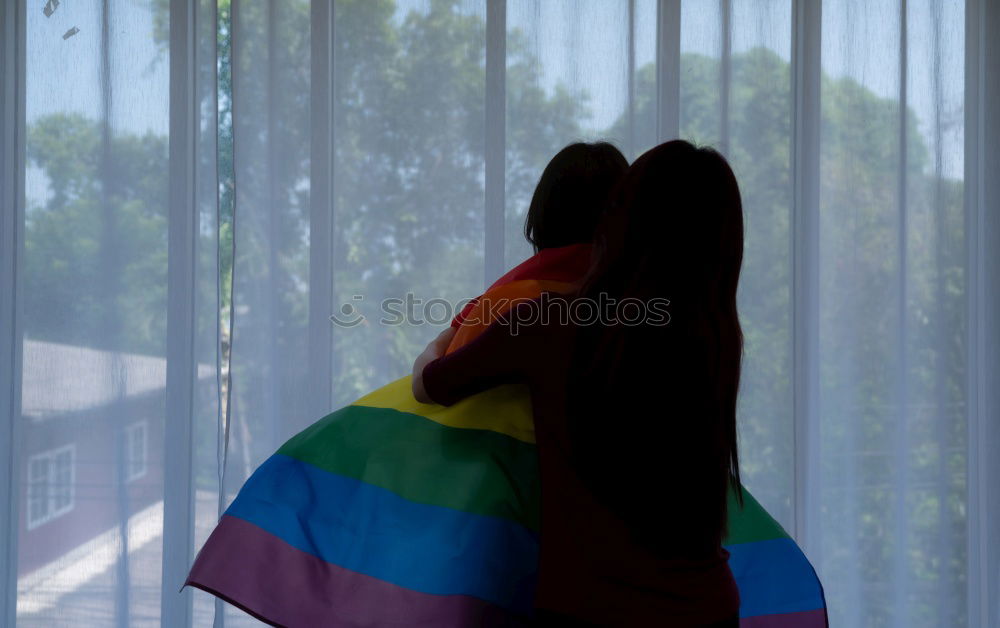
(653, 406)
(572, 194)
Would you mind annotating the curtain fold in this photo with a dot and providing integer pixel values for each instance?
(982, 219)
(208, 437)
(11, 254)
(268, 361)
(893, 352)
(383, 154)
(92, 417)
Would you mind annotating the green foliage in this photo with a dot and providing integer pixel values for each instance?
(409, 166)
(95, 251)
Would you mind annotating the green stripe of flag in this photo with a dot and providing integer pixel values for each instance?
(478, 471)
(752, 522)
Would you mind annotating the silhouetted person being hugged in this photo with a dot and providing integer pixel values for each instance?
(633, 382)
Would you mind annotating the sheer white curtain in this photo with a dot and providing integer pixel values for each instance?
(893, 352)
(110, 299)
(388, 150)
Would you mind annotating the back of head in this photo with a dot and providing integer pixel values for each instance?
(659, 424)
(572, 194)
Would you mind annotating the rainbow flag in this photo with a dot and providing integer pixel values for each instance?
(393, 512)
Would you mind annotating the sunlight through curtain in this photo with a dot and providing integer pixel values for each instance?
(223, 219)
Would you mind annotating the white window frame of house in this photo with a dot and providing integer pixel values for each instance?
(51, 485)
(136, 462)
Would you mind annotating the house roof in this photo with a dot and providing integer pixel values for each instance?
(61, 378)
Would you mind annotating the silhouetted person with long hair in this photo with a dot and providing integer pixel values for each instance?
(635, 413)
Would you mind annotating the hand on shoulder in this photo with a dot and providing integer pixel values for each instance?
(435, 349)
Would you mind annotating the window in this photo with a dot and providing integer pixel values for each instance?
(135, 450)
(51, 483)
(374, 150)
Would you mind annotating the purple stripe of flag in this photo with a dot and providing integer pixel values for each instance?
(283, 585)
(802, 619)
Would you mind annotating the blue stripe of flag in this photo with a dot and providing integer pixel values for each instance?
(773, 577)
(373, 531)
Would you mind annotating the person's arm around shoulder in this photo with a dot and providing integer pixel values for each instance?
(434, 350)
(502, 354)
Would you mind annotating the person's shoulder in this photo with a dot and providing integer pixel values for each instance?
(550, 312)
(542, 321)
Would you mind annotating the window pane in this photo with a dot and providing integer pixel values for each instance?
(892, 299)
(736, 97)
(568, 80)
(97, 110)
(63, 481)
(38, 491)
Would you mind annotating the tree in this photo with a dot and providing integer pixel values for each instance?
(95, 251)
